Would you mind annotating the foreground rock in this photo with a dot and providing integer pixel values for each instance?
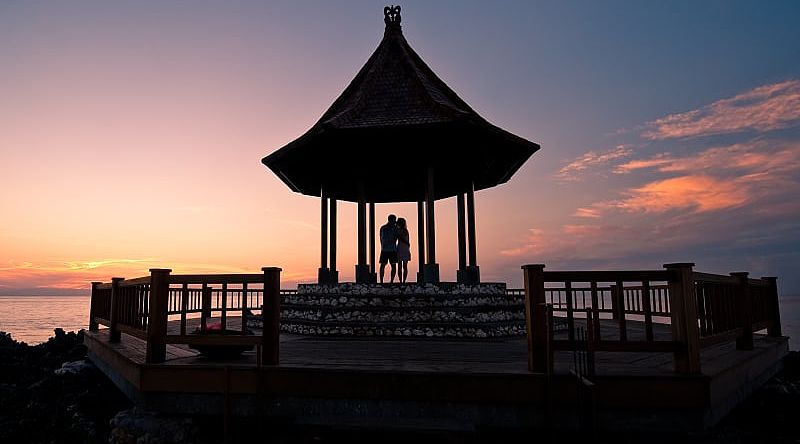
(50, 393)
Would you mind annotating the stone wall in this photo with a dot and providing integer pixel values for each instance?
(445, 310)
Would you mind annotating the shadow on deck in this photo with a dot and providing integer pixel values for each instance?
(454, 384)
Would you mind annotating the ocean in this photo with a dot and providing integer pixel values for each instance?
(32, 319)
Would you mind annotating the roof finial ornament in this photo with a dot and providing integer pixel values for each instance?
(391, 16)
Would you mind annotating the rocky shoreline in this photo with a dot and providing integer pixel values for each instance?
(50, 393)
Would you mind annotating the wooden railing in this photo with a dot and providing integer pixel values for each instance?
(702, 309)
(141, 307)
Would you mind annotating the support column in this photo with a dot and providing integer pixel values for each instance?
(473, 274)
(431, 270)
(540, 351)
(462, 240)
(114, 334)
(683, 307)
(421, 241)
(362, 269)
(323, 275)
(333, 274)
(156, 349)
(373, 275)
(744, 311)
(271, 317)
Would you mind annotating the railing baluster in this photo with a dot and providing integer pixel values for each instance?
(184, 306)
(619, 306)
(224, 314)
(648, 314)
(595, 311)
(570, 311)
(244, 306)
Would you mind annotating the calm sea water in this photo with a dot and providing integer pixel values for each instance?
(32, 318)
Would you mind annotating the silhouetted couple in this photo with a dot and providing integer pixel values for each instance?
(395, 247)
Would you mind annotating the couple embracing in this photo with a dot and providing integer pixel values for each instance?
(395, 247)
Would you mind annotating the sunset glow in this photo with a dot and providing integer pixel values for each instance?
(131, 135)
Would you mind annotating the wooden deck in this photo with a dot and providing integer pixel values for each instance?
(316, 370)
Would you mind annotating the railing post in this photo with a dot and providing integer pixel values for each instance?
(616, 301)
(271, 316)
(773, 305)
(536, 318)
(684, 317)
(205, 306)
(157, 318)
(114, 334)
(92, 307)
(744, 311)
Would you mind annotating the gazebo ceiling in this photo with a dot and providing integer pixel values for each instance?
(393, 122)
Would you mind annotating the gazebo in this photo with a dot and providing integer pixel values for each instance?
(397, 109)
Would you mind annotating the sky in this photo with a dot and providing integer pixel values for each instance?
(131, 134)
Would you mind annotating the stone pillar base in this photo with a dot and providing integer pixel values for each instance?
(431, 273)
(327, 276)
(469, 275)
(363, 276)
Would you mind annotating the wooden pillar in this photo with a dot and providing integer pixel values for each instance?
(773, 305)
(744, 311)
(539, 350)
(473, 251)
(683, 306)
(93, 307)
(431, 270)
(372, 237)
(323, 262)
(462, 235)
(332, 273)
(271, 316)
(362, 269)
(421, 240)
(157, 318)
(116, 297)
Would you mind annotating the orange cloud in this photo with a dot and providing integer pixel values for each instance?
(694, 193)
(765, 108)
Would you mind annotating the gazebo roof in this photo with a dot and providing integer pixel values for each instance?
(394, 121)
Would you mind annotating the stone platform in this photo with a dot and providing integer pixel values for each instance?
(444, 310)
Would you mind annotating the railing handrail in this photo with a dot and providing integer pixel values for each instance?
(608, 276)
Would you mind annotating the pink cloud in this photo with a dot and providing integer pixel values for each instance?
(765, 108)
(592, 159)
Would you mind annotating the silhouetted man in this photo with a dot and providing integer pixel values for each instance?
(389, 246)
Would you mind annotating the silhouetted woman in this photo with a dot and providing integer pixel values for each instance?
(403, 249)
